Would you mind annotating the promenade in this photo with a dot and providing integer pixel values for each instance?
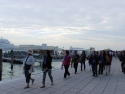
(81, 83)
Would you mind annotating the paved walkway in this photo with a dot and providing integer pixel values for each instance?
(81, 83)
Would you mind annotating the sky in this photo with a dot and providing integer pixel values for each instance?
(64, 23)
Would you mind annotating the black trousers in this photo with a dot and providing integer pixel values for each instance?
(122, 67)
(83, 63)
(75, 67)
(66, 71)
(101, 67)
(94, 68)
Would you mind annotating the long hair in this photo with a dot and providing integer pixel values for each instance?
(67, 52)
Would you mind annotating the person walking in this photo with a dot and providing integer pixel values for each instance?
(28, 67)
(83, 57)
(66, 63)
(93, 60)
(47, 67)
(90, 65)
(75, 60)
(97, 56)
(108, 59)
(101, 62)
(122, 59)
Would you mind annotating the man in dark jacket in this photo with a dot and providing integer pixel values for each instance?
(75, 59)
(46, 67)
(93, 60)
(122, 59)
(83, 58)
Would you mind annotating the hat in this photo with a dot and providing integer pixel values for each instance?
(29, 52)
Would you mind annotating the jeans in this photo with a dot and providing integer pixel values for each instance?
(44, 75)
(83, 62)
(66, 71)
(107, 67)
(75, 67)
(94, 68)
(101, 66)
(28, 76)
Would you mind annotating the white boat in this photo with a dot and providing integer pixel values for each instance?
(5, 44)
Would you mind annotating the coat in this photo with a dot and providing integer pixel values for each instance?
(75, 58)
(83, 57)
(30, 61)
(48, 62)
(108, 60)
(122, 58)
(66, 60)
(100, 60)
(93, 59)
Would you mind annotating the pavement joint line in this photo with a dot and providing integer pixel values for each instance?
(73, 80)
(99, 81)
(117, 78)
(110, 77)
(78, 83)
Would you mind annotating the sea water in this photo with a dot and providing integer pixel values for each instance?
(17, 71)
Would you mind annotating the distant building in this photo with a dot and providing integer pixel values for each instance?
(92, 48)
(76, 48)
(42, 47)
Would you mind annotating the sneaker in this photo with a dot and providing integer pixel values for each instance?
(106, 73)
(51, 83)
(26, 87)
(42, 86)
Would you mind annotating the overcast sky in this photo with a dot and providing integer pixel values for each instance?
(77, 23)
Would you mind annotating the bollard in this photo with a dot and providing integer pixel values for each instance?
(11, 57)
(42, 56)
(1, 65)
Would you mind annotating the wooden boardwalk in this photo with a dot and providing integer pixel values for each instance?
(81, 83)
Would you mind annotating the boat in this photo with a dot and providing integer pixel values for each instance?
(5, 44)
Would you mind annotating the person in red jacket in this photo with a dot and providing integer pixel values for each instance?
(66, 63)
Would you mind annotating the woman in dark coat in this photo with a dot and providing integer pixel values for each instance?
(83, 57)
(101, 62)
(47, 67)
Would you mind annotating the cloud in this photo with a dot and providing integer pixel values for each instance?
(81, 23)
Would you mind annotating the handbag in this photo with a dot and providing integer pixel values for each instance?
(27, 67)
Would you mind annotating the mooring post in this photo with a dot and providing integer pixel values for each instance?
(1, 64)
(11, 56)
(40, 57)
(42, 52)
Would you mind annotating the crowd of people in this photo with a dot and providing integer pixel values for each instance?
(98, 62)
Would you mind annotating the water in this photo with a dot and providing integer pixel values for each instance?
(18, 70)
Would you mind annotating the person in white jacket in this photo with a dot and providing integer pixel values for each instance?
(28, 67)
